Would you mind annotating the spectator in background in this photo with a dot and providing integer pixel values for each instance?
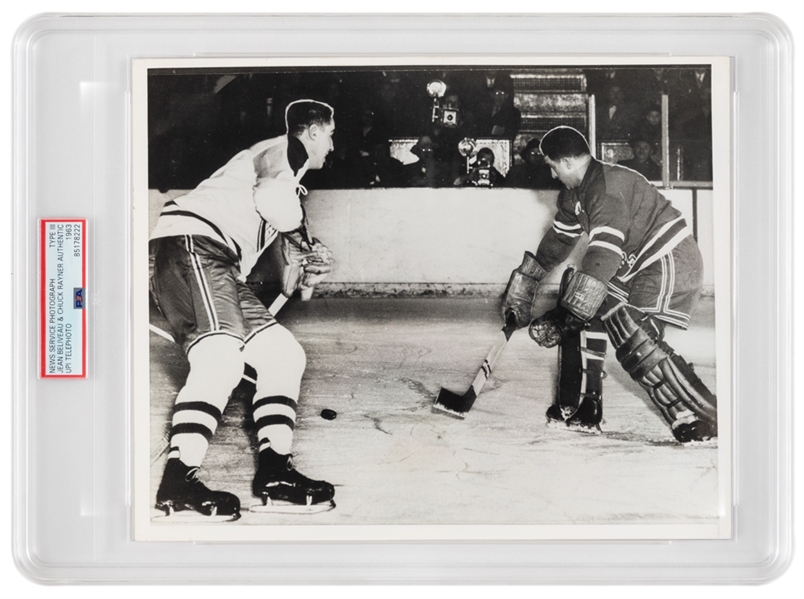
(427, 171)
(616, 115)
(483, 173)
(649, 126)
(599, 81)
(642, 162)
(381, 169)
(359, 145)
(697, 142)
(369, 132)
(454, 124)
(651, 85)
(480, 91)
(505, 117)
(533, 173)
(400, 105)
(495, 113)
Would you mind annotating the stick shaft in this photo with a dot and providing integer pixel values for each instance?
(490, 362)
(276, 306)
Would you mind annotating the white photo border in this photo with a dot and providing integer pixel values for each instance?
(722, 152)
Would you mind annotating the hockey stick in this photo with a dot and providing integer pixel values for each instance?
(456, 405)
(164, 442)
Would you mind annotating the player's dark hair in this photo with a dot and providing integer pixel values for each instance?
(302, 114)
(564, 142)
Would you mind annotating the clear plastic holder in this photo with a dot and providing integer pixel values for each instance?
(73, 439)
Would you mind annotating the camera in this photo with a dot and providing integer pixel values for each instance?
(446, 116)
(449, 116)
(483, 176)
(445, 111)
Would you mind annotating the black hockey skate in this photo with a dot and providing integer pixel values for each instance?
(555, 415)
(283, 489)
(182, 496)
(693, 432)
(587, 417)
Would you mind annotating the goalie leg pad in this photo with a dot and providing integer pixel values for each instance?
(579, 398)
(673, 386)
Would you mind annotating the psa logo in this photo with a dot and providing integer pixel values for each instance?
(78, 298)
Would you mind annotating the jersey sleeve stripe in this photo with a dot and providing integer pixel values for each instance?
(606, 246)
(566, 234)
(611, 231)
(608, 238)
(565, 227)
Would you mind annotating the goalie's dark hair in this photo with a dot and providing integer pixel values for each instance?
(301, 114)
(564, 142)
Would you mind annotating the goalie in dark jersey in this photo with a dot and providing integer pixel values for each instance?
(642, 271)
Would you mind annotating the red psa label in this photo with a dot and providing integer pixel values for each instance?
(63, 298)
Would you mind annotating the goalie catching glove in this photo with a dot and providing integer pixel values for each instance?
(521, 289)
(580, 298)
(306, 263)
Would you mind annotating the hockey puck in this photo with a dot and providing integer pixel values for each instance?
(328, 414)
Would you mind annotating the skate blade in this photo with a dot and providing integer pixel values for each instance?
(191, 517)
(281, 507)
(561, 425)
(589, 429)
(708, 443)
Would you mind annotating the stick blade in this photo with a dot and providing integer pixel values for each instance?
(453, 404)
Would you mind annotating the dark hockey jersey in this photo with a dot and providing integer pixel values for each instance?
(629, 223)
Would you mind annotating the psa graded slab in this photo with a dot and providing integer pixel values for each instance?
(364, 313)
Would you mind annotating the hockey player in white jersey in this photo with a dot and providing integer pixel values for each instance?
(204, 245)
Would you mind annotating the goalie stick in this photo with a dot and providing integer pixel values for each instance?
(164, 442)
(456, 405)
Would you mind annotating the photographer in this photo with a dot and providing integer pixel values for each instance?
(483, 174)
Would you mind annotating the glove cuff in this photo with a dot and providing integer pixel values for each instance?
(531, 268)
(584, 296)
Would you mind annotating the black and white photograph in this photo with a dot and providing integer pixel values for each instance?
(449, 300)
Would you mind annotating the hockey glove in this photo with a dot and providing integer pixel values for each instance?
(315, 269)
(555, 327)
(306, 263)
(581, 296)
(521, 289)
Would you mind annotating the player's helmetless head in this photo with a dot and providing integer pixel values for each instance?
(313, 123)
(567, 153)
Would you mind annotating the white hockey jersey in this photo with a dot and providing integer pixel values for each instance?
(245, 203)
